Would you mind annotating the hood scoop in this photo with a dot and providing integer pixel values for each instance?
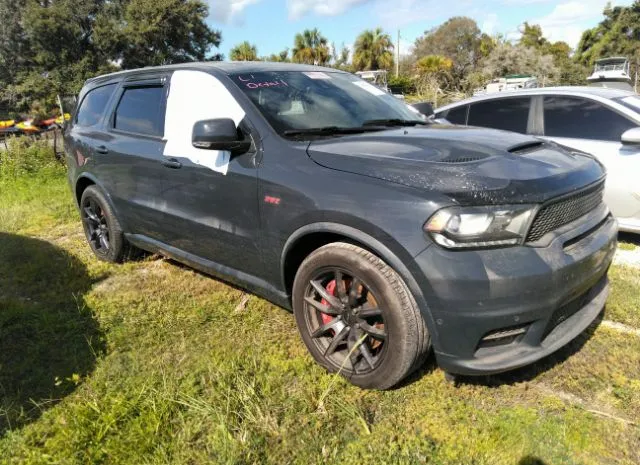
(527, 147)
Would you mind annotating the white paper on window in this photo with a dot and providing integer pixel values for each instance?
(195, 96)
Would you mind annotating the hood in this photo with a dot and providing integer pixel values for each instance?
(470, 165)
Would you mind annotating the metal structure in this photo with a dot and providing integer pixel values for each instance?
(508, 83)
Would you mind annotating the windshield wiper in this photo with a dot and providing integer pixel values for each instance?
(329, 131)
(394, 122)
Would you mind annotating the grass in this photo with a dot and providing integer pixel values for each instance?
(628, 241)
(152, 363)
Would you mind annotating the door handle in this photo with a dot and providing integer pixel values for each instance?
(102, 149)
(172, 163)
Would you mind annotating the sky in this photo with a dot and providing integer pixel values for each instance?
(272, 24)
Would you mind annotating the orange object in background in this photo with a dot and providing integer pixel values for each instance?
(27, 126)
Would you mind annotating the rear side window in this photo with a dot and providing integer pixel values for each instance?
(141, 111)
(457, 115)
(93, 105)
(509, 114)
(581, 118)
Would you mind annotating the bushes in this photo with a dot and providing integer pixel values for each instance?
(402, 85)
(26, 156)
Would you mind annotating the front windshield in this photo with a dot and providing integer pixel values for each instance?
(294, 100)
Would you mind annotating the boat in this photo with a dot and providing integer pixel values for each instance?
(612, 72)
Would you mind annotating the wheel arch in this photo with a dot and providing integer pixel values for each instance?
(83, 182)
(312, 236)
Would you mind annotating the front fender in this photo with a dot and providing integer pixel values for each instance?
(391, 252)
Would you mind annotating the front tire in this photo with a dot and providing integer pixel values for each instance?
(102, 228)
(357, 317)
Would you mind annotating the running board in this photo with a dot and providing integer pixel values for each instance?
(241, 279)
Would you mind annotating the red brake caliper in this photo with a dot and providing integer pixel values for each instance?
(331, 289)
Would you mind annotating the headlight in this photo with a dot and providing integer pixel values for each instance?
(473, 227)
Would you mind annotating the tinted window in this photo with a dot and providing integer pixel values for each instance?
(582, 119)
(93, 105)
(141, 111)
(457, 115)
(509, 114)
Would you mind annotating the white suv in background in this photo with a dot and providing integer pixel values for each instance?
(602, 122)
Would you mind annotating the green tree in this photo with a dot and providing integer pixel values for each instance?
(507, 59)
(53, 46)
(156, 32)
(280, 57)
(311, 47)
(373, 50)
(340, 58)
(14, 48)
(458, 39)
(618, 34)
(244, 52)
(532, 36)
(569, 71)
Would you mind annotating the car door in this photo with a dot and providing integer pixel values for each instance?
(590, 126)
(507, 114)
(133, 153)
(86, 134)
(209, 197)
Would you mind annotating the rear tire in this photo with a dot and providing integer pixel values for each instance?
(357, 316)
(102, 228)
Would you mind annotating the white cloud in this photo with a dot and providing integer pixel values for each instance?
(299, 8)
(226, 11)
(568, 20)
(490, 24)
(402, 12)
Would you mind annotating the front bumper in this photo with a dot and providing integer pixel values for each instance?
(538, 298)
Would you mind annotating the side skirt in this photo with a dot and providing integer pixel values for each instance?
(244, 280)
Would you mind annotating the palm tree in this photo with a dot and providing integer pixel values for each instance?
(244, 52)
(311, 47)
(373, 50)
(434, 65)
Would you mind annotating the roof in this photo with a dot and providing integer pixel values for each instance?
(227, 67)
(601, 92)
(611, 59)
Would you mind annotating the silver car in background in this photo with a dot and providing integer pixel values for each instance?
(602, 122)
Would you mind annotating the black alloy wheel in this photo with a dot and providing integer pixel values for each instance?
(357, 317)
(345, 321)
(97, 228)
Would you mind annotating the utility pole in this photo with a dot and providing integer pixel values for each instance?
(398, 55)
(635, 86)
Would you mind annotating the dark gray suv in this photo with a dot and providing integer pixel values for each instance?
(386, 235)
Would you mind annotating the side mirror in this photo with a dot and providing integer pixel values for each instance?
(631, 137)
(424, 107)
(219, 134)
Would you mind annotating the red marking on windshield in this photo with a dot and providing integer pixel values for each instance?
(272, 200)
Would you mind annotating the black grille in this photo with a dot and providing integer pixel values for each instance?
(462, 159)
(563, 211)
(566, 311)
